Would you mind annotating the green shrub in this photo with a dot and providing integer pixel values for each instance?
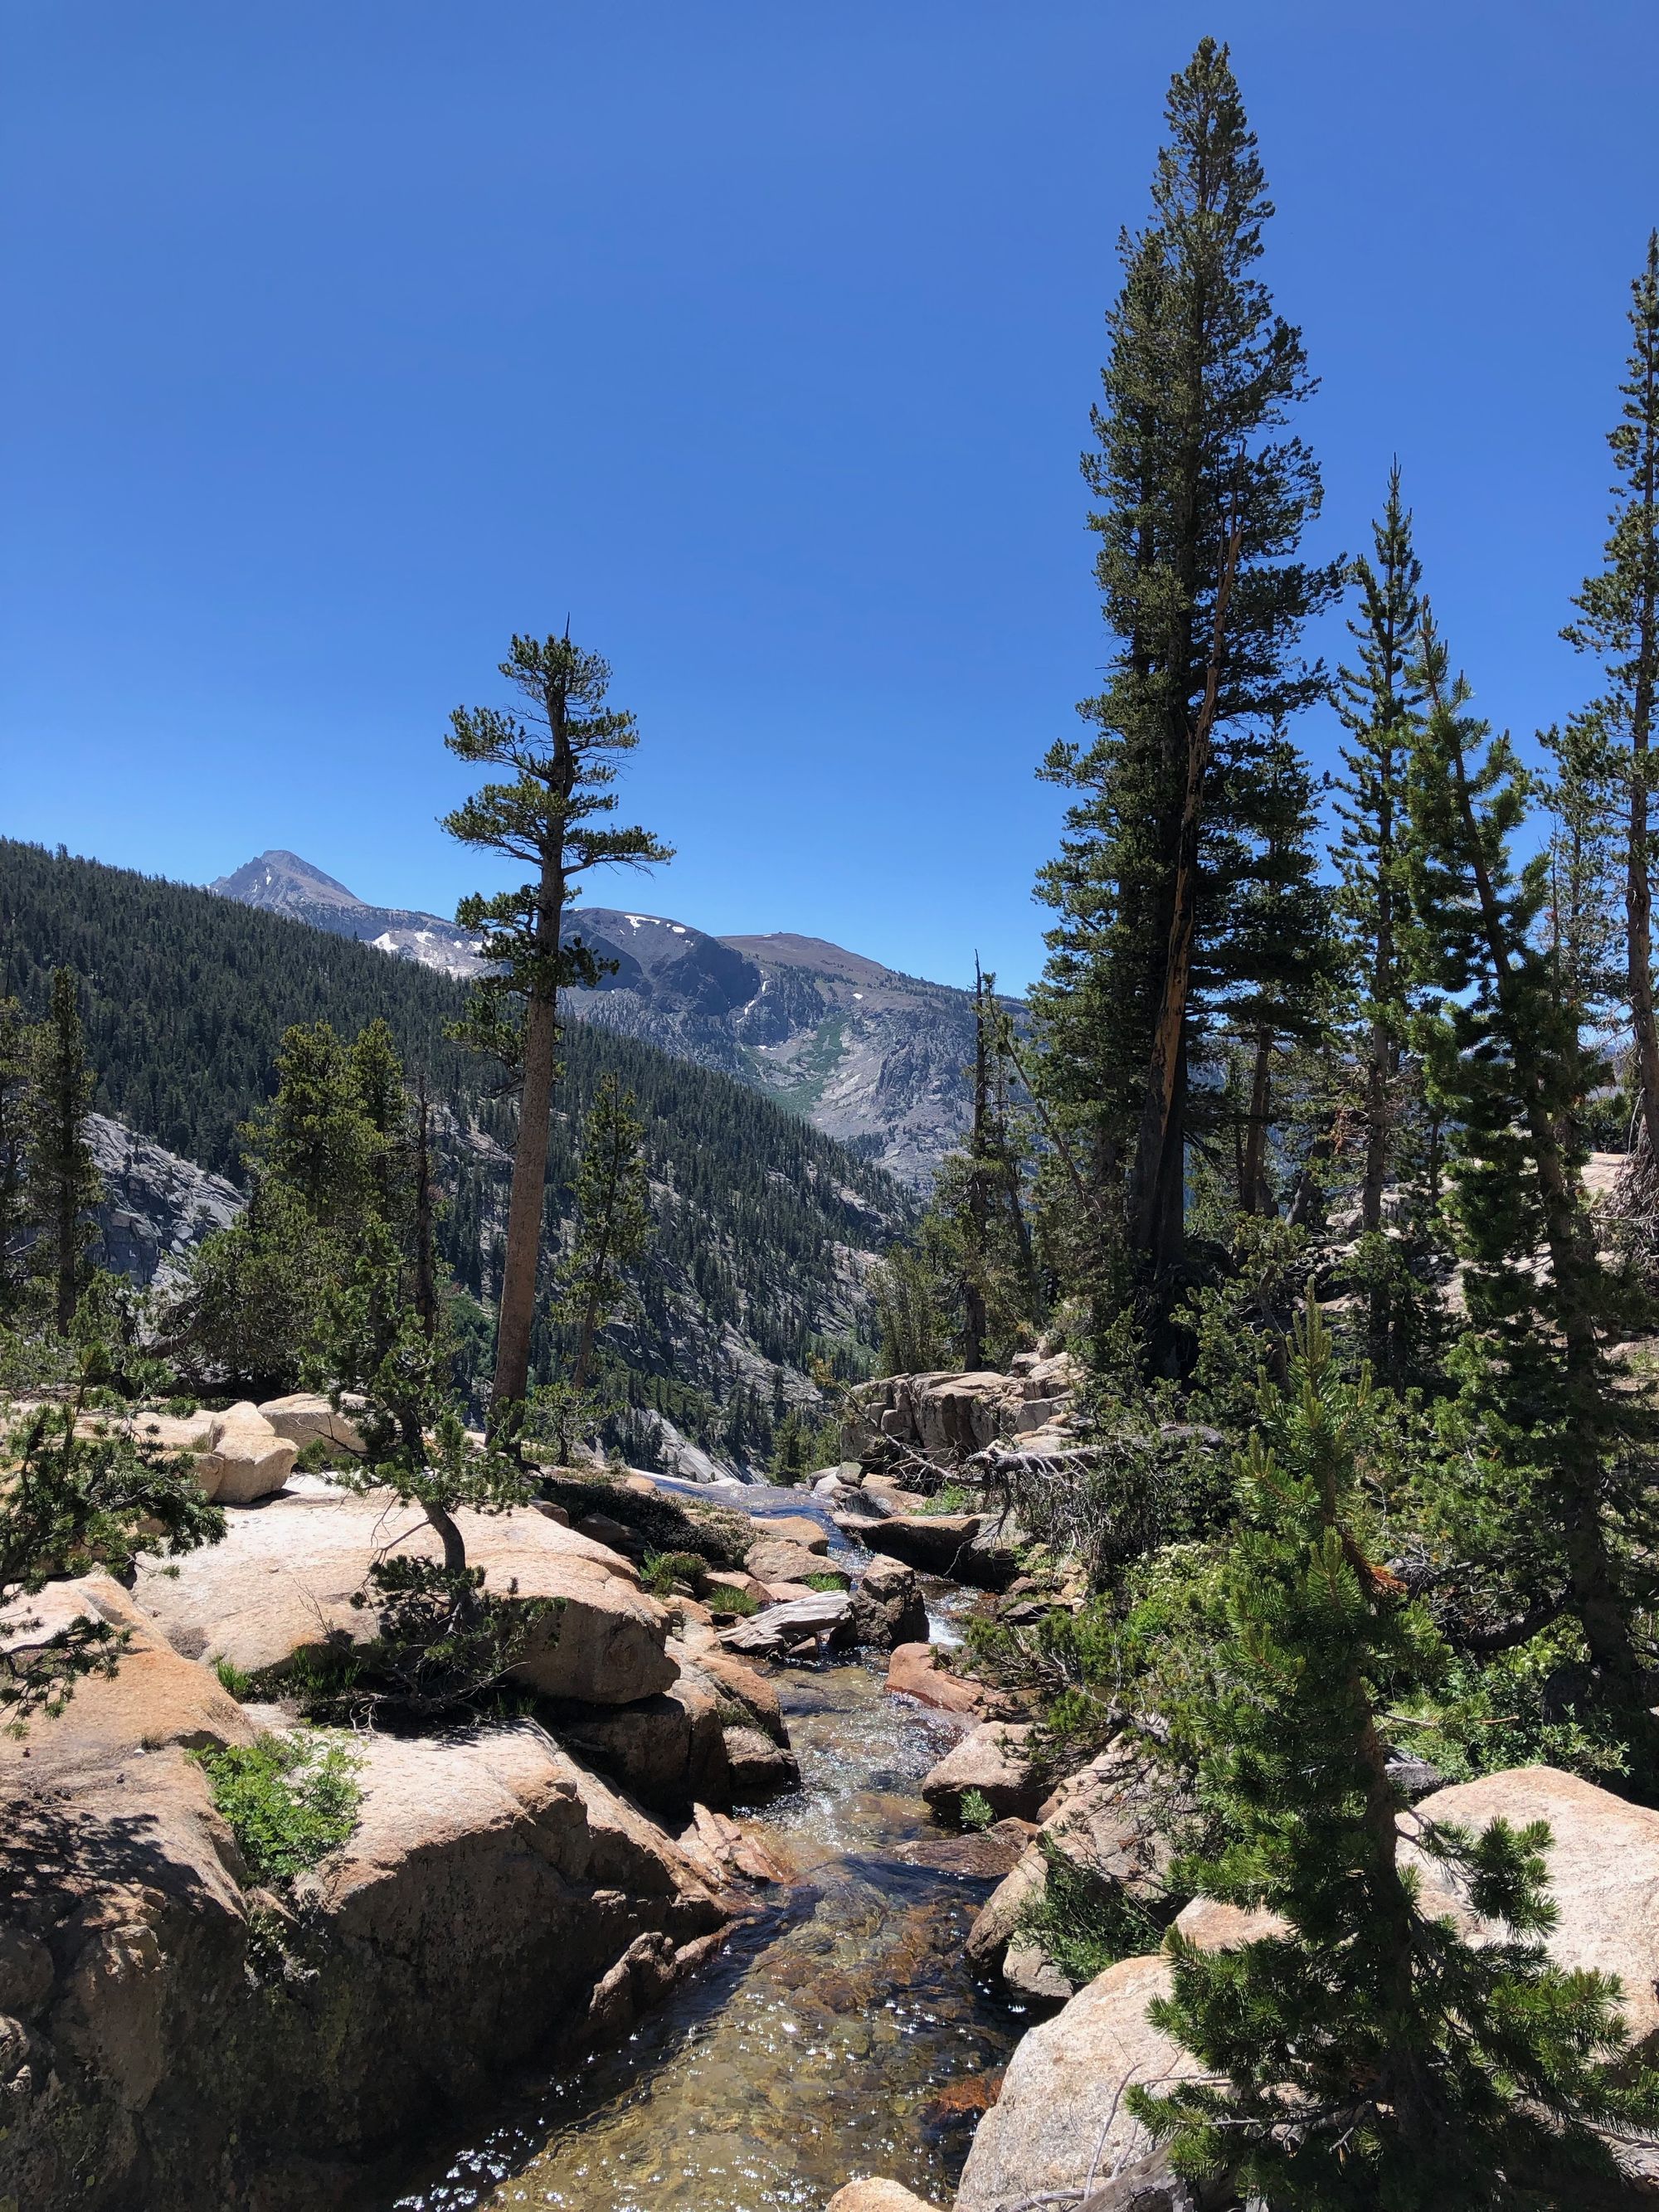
(826, 1582)
(977, 1810)
(232, 1678)
(289, 1801)
(660, 1570)
(180, 1409)
(1083, 1924)
(724, 1599)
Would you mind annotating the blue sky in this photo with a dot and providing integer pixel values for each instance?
(347, 338)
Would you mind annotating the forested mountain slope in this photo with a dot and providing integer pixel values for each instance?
(872, 1057)
(765, 1227)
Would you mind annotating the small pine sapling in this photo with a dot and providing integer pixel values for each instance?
(1367, 2055)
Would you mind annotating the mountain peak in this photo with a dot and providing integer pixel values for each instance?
(278, 881)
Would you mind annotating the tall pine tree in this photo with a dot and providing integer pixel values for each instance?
(62, 1184)
(613, 1221)
(1379, 701)
(561, 757)
(1288, 955)
(13, 1131)
(1618, 623)
(1504, 1061)
(1203, 500)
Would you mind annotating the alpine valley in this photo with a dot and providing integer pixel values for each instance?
(765, 1227)
(877, 1060)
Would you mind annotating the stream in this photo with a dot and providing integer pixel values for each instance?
(839, 2035)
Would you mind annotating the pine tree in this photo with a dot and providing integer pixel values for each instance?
(976, 1237)
(613, 1220)
(1379, 702)
(1618, 623)
(331, 1159)
(87, 1489)
(562, 759)
(1203, 502)
(62, 1184)
(1282, 926)
(1506, 1063)
(1368, 2058)
(1583, 918)
(315, 1137)
(14, 1124)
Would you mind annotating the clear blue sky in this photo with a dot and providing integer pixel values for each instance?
(346, 338)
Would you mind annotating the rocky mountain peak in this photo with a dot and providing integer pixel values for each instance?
(281, 883)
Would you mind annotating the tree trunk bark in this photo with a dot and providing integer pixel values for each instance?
(523, 1216)
(1253, 1195)
(426, 1272)
(1157, 1183)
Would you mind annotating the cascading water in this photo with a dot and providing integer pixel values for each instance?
(840, 2035)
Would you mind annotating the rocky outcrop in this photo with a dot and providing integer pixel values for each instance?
(494, 1900)
(283, 1580)
(1060, 2122)
(982, 1854)
(875, 2196)
(1603, 1874)
(1111, 1821)
(942, 1416)
(774, 1560)
(155, 1699)
(914, 1671)
(237, 1457)
(888, 1606)
(715, 1736)
(934, 1543)
(156, 1207)
(797, 1528)
(308, 1417)
(995, 1762)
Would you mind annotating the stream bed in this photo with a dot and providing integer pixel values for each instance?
(839, 2035)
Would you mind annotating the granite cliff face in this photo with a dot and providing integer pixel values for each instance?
(155, 1206)
(874, 1058)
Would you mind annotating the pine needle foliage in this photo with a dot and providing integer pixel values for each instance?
(1618, 624)
(1202, 499)
(1563, 1458)
(84, 1485)
(1367, 2058)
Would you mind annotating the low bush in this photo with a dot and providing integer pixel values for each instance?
(977, 1810)
(289, 1801)
(1083, 1924)
(660, 1570)
(724, 1599)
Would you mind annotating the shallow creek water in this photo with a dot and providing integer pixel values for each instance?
(840, 2035)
